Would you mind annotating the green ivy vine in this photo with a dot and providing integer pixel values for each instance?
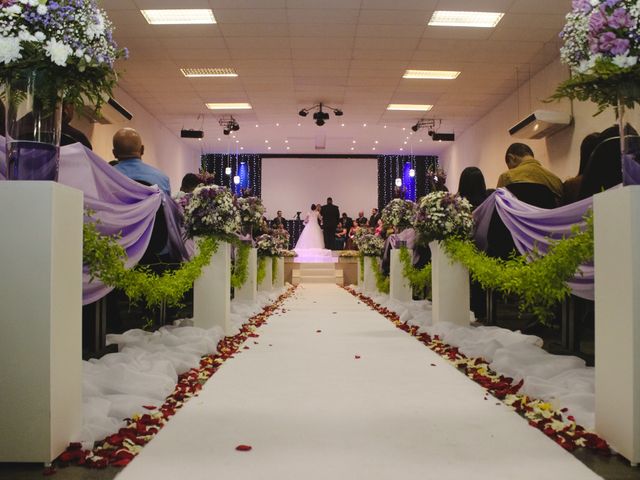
(382, 281)
(419, 279)
(105, 259)
(541, 282)
(361, 260)
(274, 269)
(262, 269)
(241, 266)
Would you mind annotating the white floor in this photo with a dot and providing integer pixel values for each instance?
(312, 410)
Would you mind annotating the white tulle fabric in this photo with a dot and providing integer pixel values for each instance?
(563, 380)
(311, 237)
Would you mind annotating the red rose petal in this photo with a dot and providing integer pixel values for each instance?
(357, 357)
(318, 331)
(47, 472)
(243, 448)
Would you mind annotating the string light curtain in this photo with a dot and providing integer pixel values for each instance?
(245, 169)
(404, 176)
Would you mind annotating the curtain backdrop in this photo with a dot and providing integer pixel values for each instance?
(393, 167)
(247, 167)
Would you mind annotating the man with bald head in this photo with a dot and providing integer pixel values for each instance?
(128, 150)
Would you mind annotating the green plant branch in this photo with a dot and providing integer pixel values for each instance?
(274, 269)
(382, 281)
(361, 260)
(240, 271)
(419, 279)
(262, 269)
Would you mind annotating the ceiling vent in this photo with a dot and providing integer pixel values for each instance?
(540, 124)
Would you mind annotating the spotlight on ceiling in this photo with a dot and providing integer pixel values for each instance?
(225, 131)
(416, 127)
(320, 116)
(228, 124)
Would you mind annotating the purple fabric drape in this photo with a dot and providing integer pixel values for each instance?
(631, 170)
(121, 205)
(532, 227)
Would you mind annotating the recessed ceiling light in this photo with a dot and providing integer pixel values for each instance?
(268, 148)
(277, 124)
(376, 142)
(208, 72)
(228, 106)
(288, 148)
(373, 148)
(342, 124)
(420, 140)
(443, 18)
(266, 141)
(384, 126)
(241, 148)
(178, 16)
(286, 141)
(431, 74)
(352, 148)
(404, 128)
(237, 141)
(219, 139)
(405, 142)
(299, 124)
(409, 107)
(401, 149)
(353, 141)
(257, 125)
(364, 124)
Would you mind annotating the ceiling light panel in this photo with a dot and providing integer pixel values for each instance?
(228, 106)
(208, 72)
(182, 16)
(431, 74)
(409, 107)
(442, 18)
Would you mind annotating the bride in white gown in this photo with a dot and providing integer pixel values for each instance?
(311, 237)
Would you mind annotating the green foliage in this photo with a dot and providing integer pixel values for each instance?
(105, 259)
(361, 260)
(274, 269)
(605, 86)
(241, 266)
(382, 281)
(262, 269)
(541, 282)
(419, 279)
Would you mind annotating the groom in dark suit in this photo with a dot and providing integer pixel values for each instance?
(330, 218)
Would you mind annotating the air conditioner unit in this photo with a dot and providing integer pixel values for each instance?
(111, 112)
(540, 124)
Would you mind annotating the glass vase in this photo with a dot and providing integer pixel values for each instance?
(33, 116)
(629, 147)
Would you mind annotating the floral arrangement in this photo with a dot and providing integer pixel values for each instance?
(601, 46)
(399, 213)
(281, 239)
(288, 253)
(442, 215)
(251, 211)
(211, 211)
(348, 254)
(370, 245)
(266, 246)
(69, 43)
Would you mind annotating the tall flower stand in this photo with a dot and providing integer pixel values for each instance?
(212, 292)
(358, 275)
(41, 312)
(450, 288)
(279, 283)
(369, 275)
(617, 320)
(267, 282)
(247, 293)
(399, 286)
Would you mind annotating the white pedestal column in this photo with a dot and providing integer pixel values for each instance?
(248, 292)
(212, 292)
(617, 321)
(450, 290)
(267, 282)
(370, 276)
(358, 277)
(41, 319)
(279, 283)
(399, 286)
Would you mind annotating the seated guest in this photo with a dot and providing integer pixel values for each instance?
(278, 220)
(351, 235)
(571, 190)
(437, 181)
(361, 221)
(524, 168)
(69, 134)
(604, 169)
(373, 219)
(347, 221)
(128, 149)
(341, 236)
(472, 186)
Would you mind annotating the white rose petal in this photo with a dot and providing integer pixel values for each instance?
(10, 49)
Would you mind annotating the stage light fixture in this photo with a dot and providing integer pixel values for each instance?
(236, 180)
(226, 132)
(190, 133)
(415, 128)
(227, 171)
(320, 116)
(412, 172)
(228, 124)
(398, 182)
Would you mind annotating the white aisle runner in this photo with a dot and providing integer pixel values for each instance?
(312, 410)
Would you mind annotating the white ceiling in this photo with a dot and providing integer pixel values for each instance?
(350, 54)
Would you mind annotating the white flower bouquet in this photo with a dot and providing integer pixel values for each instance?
(399, 213)
(370, 245)
(251, 211)
(266, 246)
(602, 46)
(211, 211)
(441, 215)
(68, 42)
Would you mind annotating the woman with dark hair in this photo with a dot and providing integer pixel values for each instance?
(571, 189)
(472, 186)
(604, 169)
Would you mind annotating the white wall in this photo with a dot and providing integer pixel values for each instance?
(483, 145)
(293, 184)
(164, 148)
